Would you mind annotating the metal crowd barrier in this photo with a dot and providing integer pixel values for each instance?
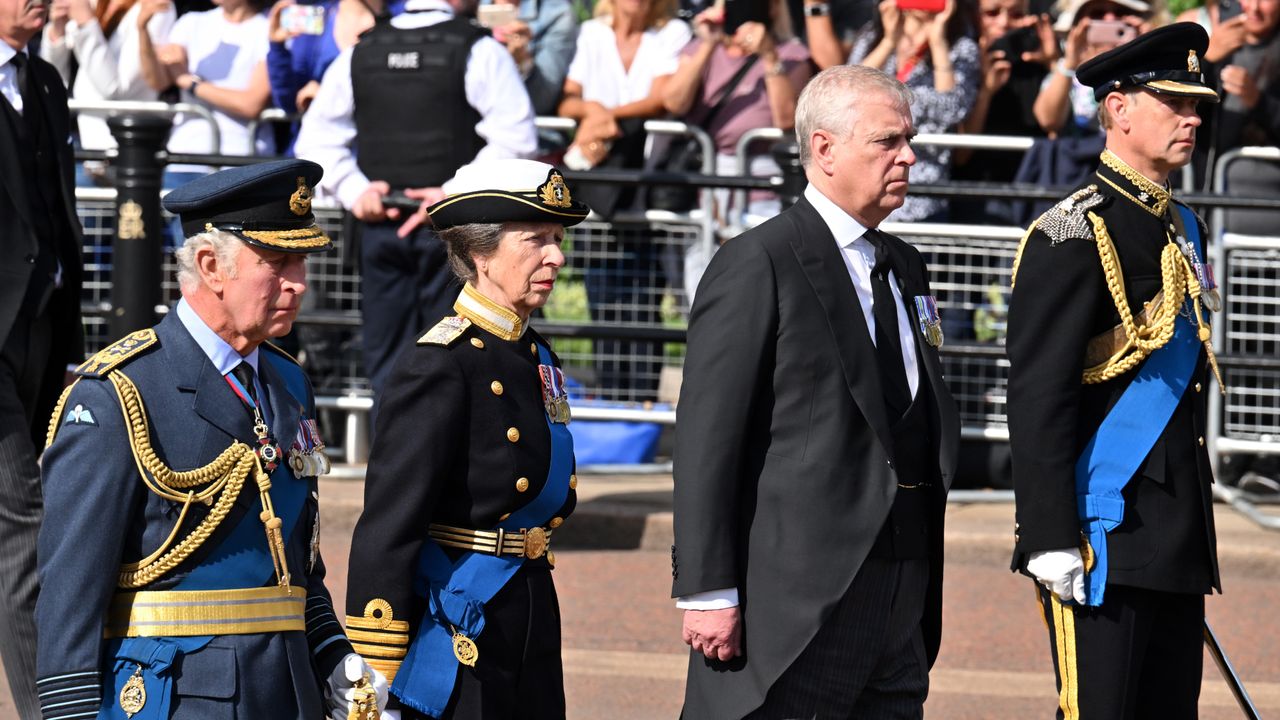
(154, 108)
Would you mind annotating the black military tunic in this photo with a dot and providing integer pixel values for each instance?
(462, 440)
(1165, 545)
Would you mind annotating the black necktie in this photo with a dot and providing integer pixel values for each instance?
(893, 373)
(27, 88)
(244, 373)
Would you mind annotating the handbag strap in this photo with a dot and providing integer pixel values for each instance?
(727, 90)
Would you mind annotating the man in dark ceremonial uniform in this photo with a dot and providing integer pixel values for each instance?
(1108, 348)
(471, 471)
(179, 558)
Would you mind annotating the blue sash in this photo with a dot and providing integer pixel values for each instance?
(1129, 431)
(457, 591)
(241, 560)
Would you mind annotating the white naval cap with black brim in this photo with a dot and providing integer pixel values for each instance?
(508, 190)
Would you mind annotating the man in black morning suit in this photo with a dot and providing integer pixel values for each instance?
(39, 314)
(816, 439)
(1108, 383)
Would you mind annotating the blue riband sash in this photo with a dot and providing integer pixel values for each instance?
(456, 591)
(241, 560)
(1129, 431)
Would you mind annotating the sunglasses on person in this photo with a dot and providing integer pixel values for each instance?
(1013, 13)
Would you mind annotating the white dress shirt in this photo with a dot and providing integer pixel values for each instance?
(220, 353)
(9, 76)
(493, 87)
(859, 256)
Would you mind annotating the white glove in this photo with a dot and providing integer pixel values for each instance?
(1061, 571)
(340, 689)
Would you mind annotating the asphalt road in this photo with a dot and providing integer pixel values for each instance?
(624, 659)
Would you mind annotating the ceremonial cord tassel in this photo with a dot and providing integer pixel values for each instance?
(273, 524)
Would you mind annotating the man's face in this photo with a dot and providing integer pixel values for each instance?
(21, 20)
(1164, 128)
(1260, 17)
(263, 298)
(873, 162)
(521, 273)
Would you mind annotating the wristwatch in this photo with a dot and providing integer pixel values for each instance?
(820, 9)
(775, 69)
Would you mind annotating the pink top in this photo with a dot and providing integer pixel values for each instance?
(749, 106)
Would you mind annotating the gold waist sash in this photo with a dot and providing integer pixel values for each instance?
(528, 543)
(179, 613)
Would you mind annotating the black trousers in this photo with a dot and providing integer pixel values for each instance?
(407, 288)
(1139, 655)
(868, 660)
(518, 673)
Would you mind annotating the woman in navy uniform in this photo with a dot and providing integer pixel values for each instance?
(450, 592)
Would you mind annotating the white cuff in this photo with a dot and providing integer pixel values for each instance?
(709, 600)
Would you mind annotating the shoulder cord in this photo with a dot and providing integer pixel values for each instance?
(1178, 280)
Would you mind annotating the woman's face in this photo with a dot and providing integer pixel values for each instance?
(521, 272)
(998, 16)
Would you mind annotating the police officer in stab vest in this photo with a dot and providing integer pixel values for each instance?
(1109, 356)
(179, 559)
(472, 471)
(419, 96)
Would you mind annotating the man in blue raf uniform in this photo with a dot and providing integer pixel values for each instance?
(1108, 349)
(471, 471)
(178, 562)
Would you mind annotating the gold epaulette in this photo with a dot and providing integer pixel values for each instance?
(446, 331)
(118, 353)
(379, 638)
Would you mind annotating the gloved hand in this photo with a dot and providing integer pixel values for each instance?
(340, 688)
(1061, 571)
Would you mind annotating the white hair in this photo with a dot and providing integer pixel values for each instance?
(831, 100)
(225, 246)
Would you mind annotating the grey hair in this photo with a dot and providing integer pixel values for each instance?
(464, 242)
(831, 99)
(225, 246)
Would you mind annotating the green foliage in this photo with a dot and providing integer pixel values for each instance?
(1177, 7)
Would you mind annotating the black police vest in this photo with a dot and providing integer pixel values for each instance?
(414, 127)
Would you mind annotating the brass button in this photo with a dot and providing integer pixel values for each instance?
(1201, 441)
(1197, 387)
(513, 434)
(555, 522)
(496, 387)
(522, 484)
(478, 343)
(551, 558)
(573, 482)
(533, 348)
(504, 517)
(1017, 537)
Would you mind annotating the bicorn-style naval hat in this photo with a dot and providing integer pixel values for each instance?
(508, 190)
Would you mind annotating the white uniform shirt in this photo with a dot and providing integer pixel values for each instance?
(859, 256)
(493, 87)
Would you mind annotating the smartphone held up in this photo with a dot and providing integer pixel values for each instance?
(494, 15)
(1112, 33)
(303, 19)
(931, 6)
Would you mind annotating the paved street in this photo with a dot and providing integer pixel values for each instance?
(624, 659)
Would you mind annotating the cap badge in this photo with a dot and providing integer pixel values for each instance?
(554, 192)
(1193, 62)
(300, 201)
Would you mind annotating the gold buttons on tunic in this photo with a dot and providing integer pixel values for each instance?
(551, 558)
(1201, 441)
(533, 348)
(522, 484)
(513, 434)
(478, 343)
(504, 517)
(1197, 387)
(496, 387)
(573, 482)
(555, 522)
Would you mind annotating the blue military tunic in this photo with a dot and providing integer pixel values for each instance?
(105, 523)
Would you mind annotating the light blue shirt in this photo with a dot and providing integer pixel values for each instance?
(220, 353)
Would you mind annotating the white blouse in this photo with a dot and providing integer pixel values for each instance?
(597, 67)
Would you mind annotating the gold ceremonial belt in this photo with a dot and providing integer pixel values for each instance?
(187, 613)
(527, 543)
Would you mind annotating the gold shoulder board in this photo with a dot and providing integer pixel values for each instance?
(118, 353)
(1067, 220)
(445, 331)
